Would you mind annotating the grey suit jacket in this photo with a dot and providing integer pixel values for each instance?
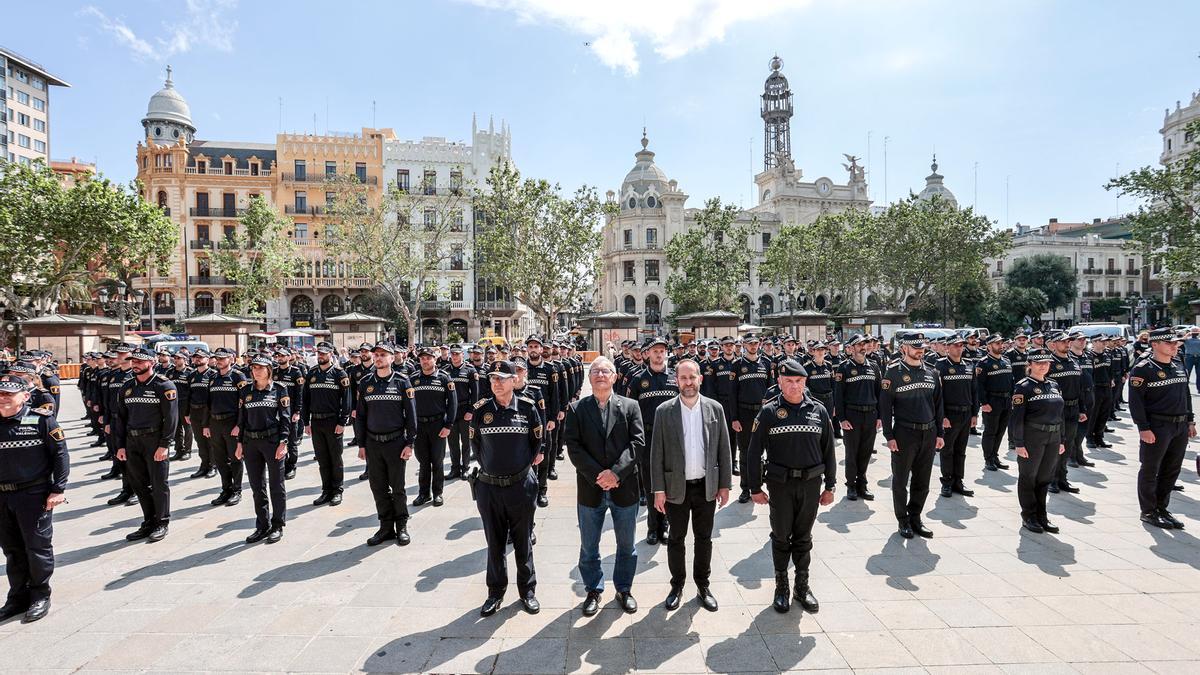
(667, 470)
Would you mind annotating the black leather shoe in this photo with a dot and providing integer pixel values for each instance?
(552, 474)
(1001, 465)
(805, 597)
(384, 534)
(212, 473)
(1104, 444)
(706, 599)
(438, 501)
(1177, 487)
(744, 497)
(454, 473)
(737, 471)
(274, 535)
(421, 500)
(289, 474)
(363, 476)
(323, 499)
(11, 609)
(919, 528)
(627, 603)
(1053, 489)
(335, 499)
(1085, 463)
(158, 533)
(652, 538)
(533, 538)
(961, 489)
(199, 473)
(1032, 526)
(257, 536)
(490, 606)
(531, 605)
(866, 494)
(132, 501)
(121, 498)
(1073, 464)
(1157, 521)
(906, 531)
(221, 498)
(946, 491)
(672, 602)
(542, 500)
(1166, 515)
(990, 466)
(852, 494)
(973, 431)
(110, 475)
(234, 499)
(96, 443)
(1048, 526)
(140, 533)
(1109, 430)
(591, 604)
(783, 596)
(38, 610)
(1067, 487)
(402, 538)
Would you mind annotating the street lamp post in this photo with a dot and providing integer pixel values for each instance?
(121, 302)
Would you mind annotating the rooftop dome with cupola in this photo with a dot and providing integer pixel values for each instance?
(645, 183)
(168, 118)
(935, 188)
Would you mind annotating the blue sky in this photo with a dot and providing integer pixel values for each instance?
(1050, 96)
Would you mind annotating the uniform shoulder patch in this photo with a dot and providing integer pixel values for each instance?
(242, 383)
(170, 394)
(1136, 381)
(1018, 399)
(886, 383)
(285, 401)
(57, 433)
(449, 385)
(345, 381)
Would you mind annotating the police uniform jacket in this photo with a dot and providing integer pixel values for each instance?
(112, 391)
(435, 396)
(466, 387)
(1073, 383)
(224, 390)
(326, 395)
(793, 436)
(183, 389)
(385, 408)
(266, 414)
(754, 377)
(820, 381)
(293, 377)
(994, 380)
(650, 389)
(1158, 391)
(856, 384)
(910, 394)
(1018, 360)
(198, 394)
(505, 439)
(32, 448)
(959, 394)
(544, 377)
(150, 406)
(1034, 402)
(51, 384)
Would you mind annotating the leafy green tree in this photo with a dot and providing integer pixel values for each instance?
(258, 258)
(542, 246)
(1104, 309)
(1015, 308)
(1166, 227)
(55, 241)
(1052, 274)
(970, 301)
(709, 261)
(1181, 305)
(801, 257)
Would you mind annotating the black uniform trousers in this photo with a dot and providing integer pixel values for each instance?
(460, 441)
(730, 416)
(327, 447)
(953, 455)
(265, 474)
(554, 445)
(859, 440)
(148, 478)
(26, 529)
(385, 475)
(1099, 414)
(507, 513)
(995, 423)
(183, 439)
(222, 447)
(1034, 475)
(199, 417)
(655, 521)
(1071, 438)
(700, 511)
(293, 449)
(745, 416)
(1161, 463)
(913, 461)
(794, 505)
(430, 451)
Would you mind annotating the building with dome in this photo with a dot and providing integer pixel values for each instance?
(652, 209)
(934, 187)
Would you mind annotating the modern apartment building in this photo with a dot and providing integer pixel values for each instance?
(25, 108)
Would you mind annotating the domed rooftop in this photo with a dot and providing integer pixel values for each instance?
(935, 188)
(645, 173)
(167, 105)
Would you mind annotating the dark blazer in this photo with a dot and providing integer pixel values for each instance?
(595, 448)
(667, 465)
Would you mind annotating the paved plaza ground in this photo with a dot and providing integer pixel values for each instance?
(1106, 595)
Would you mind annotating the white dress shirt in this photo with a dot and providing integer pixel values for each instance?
(693, 440)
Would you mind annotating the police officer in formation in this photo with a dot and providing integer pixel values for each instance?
(33, 480)
(544, 376)
(178, 372)
(959, 402)
(292, 376)
(436, 406)
(112, 383)
(264, 427)
(325, 413)
(856, 386)
(466, 385)
(224, 395)
(385, 423)
(720, 379)
(650, 387)
(994, 380)
(1075, 387)
(795, 434)
(194, 409)
(910, 405)
(144, 422)
(1036, 426)
(754, 375)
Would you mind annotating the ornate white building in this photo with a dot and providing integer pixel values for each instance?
(653, 209)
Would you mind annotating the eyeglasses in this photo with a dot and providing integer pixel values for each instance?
(603, 372)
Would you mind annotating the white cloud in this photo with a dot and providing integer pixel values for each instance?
(614, 28)
(205, 23)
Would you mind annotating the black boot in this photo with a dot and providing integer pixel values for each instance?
(805, 597)
(783, 598)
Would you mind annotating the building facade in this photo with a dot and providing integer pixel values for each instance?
(25, 108)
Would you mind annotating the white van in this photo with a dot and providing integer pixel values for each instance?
(1108, 329)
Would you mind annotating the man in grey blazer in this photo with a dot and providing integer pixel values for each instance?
(691, 471)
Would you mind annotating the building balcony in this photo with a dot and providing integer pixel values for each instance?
(1092, 270)
(328, 282)
(430, 190)
(460, 306)
(301, 210)
(1112, 272)
(434, 307)
(220, 171)
(228, 245)
(496, 305)
(160, 310)
(200, 212)
(1092, 294)
(315, 177)
(209, 281)
(996, 274)
(200, 244)
(1133, 273)
(1113, 294)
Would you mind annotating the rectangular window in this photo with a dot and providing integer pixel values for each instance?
(456, 257)
(1129, 266)
(651, 237)
(230, 231)
(430, 219)
(456, 291)
(629, 270)
(301, 231)
(23, 98)
(229, 203)
(1130, 287)
(228, 166)
(1112, 263)
(39, 146)
(39, 104)
(402, 180)
(22, 119)
(1091, 285)
(628, 238)
(330, 168)
(455, 181)
(301, 170)
(1112, 286)
(329, 198)
(38, 83)
(39, 125)
(766, 240)
(360, 170)
(254, 166)
(202, 232)
(202, 203)
(1091, 263)
(456, 221)
(201, 166)
(429, 182)
(651, 270)
(301, 202)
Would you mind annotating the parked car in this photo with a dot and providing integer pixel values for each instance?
(1108, 329)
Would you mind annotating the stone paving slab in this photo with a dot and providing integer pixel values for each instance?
(1105, 595)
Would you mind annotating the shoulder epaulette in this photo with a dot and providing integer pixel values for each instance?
(482, 402)
(527, 400)
(41, 411)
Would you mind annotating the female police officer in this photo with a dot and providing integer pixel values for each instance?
(1035, 426)
(264, 420)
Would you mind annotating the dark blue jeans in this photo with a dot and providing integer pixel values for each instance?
(591, 524)
(1192, 362)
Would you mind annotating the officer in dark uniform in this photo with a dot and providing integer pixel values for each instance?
(113, 384)
(543, 376)
(437, 405)
(754, 375)
(325, 413)
(357, 370)
(1161, 407)
(994, 382)
(653, 385)
(292, 376)
(224, 397)
(1065, 372)
(47, 371)
(856, 402)
(506, 442)
(1017, 356)
(796, 435)
(144, 424)
(466, 386)
(264, 424)
(720, 379)
(1077, 343)
(34, 467)
(1102, 380)
(385, 423)
(195, 410)
(820, 376)
(39, 398)
(910, 406)
(959, 403)
(1036, 427)
(178, 372)
(162, 362)
(629, 369)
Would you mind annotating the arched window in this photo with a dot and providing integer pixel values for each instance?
(331, 305)
(821, 302)
(203, 303)
(872, 302)
(302, 311)
(162, 198)
(164, 300)
(744, 303)
(630, 305)
(766, 305)
(653, 310)
(227, 302)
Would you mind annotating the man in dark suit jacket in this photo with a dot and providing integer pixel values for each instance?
(603, 434)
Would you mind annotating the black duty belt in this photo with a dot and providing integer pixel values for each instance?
(860, 408)
(958, 408)
(801, 474)
(134, 433)
(198, 405)
(503, 481)
(1071, 403)
(429, 419)
(1049, 428)
(259, 435)
(1174, 419)
(915, 427)
(384, 438)
(220, 417)
(750, 406)
(15, 487)
(323, 416)
(997, 394)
